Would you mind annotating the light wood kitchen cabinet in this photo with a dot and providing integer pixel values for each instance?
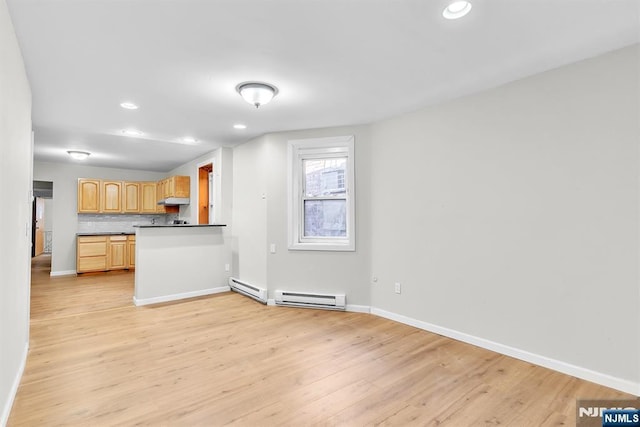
(131, 250)
(92, 253)
(160, 196)
(89, 191)
(104, 253)
(131, 197)
(148, 197)
(111, 197)
(179, 186)
(118, 257)
(175, 186)
(166, 189)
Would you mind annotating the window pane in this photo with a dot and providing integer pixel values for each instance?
(324, 177)
(325, 218)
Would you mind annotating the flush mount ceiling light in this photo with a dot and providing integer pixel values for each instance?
(256, 93)
(132, 132)
(239, 126)
(189, 140)
(78, 155)
(457, 9)
(129, 106)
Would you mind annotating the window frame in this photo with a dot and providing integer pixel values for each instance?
(319, 148)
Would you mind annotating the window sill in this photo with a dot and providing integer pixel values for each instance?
(333, 247)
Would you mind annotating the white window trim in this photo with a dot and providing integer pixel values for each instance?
(319, 147)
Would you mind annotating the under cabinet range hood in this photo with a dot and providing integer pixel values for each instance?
(174, 201)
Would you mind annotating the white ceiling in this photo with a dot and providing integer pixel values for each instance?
(335, 62)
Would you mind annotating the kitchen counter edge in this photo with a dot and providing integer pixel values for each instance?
(108, 233)
(179, 225)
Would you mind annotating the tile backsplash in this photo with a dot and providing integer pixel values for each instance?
(90, 223)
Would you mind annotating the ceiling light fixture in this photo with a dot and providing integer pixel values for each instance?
(256, 93)
(129, 106)
(78, 155)
(239, 126)
(189, 140)
(132, 132)
(457, 9)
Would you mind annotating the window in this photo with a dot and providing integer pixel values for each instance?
(321, 196)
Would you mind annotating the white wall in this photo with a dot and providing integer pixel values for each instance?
(175, 263)
(16, 153)
(250, 164)
(222, 159)
(48, 214)
(260, 169)
(64, 214)
(512, 215)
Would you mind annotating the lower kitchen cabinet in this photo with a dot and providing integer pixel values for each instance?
(105, 253)
(131, 249)
(118, 258)
(91, 253)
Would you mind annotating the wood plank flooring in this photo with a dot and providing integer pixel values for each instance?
(95, 359)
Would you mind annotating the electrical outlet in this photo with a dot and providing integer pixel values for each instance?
(272, 248)
(226, 267)
(398, 288)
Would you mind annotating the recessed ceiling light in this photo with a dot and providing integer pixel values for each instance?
(239, 126)
(189, 140)
(129, 106)
(132, 132)
(457, 9)
(78, 155)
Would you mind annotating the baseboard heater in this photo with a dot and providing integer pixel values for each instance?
(311, 300)
(258, 294)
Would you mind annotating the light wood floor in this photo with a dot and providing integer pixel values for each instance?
(95, 359)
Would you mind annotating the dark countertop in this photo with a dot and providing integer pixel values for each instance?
(108, 233)
(179, 225)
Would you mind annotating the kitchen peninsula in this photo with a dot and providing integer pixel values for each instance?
(176, 261)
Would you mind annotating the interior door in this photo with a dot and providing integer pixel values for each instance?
(39, 226)
(211, 187)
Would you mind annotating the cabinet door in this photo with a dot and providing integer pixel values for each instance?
(160, 196)
(180, 186)
(131, 249)
(167, 188)
(89, 195)
(112, 196)
(131, 197)
(117, 252)
(148, 197)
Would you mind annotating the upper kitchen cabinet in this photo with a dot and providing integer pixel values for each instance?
(148, 197)
(111, 196)
(89, 195)
(159, 196)
(175, 186)
(132, 197)
(172, 192)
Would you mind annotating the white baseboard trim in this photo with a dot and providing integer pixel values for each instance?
(184, 295)
(6, 409)
(556, 365)
(358, 308)
(63, 273)
(271, 301)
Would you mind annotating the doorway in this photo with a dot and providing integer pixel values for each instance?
(205, 194)
(40, 225)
